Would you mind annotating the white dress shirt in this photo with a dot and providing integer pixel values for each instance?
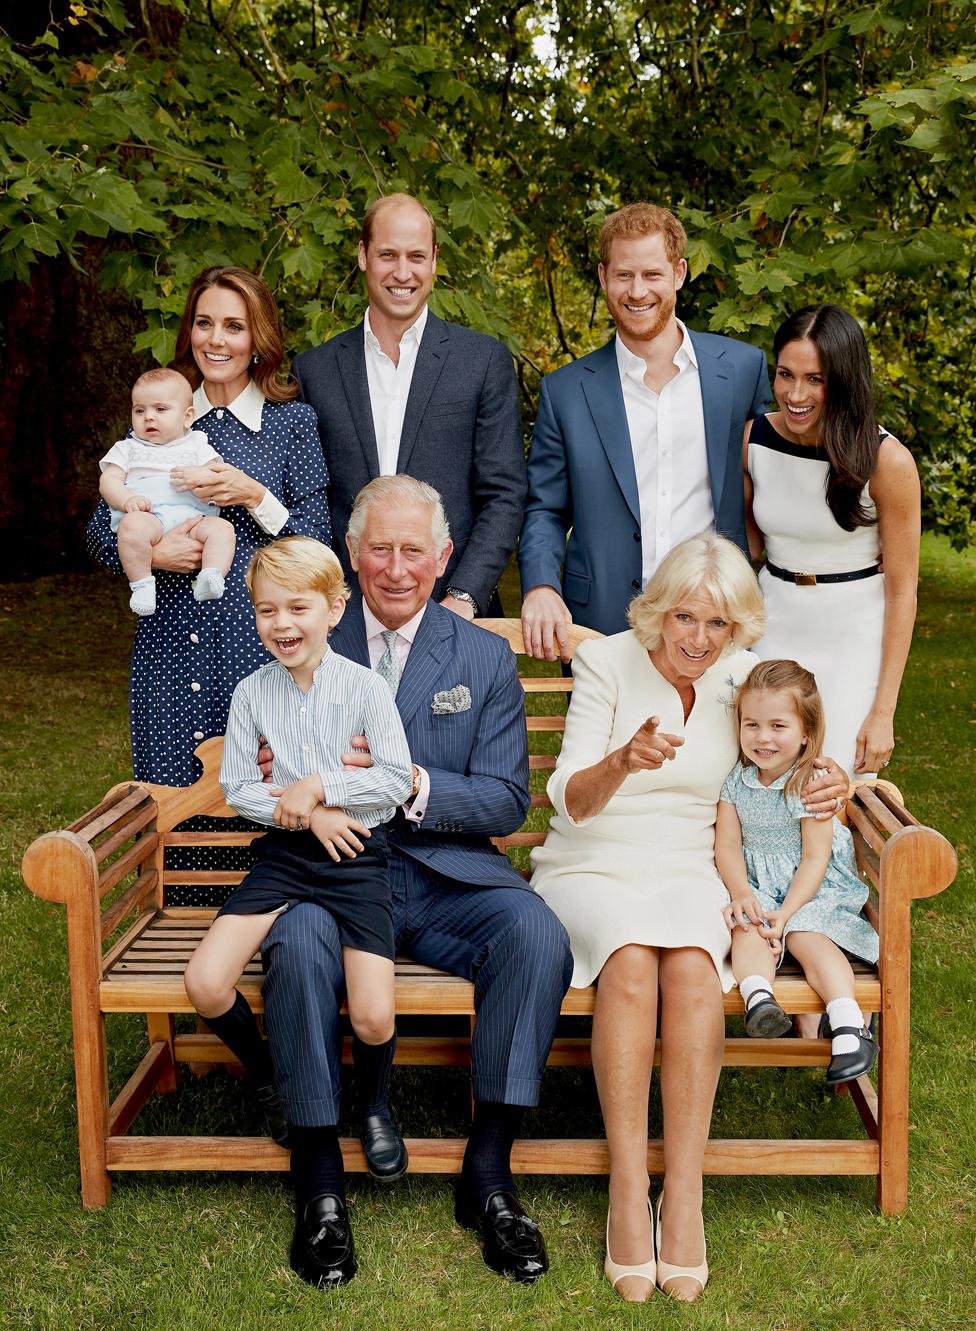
(667, 436)
(270, 514)
(389, 388)
(414, 809)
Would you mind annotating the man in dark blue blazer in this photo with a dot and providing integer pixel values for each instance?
(457, 902)
(637, 446)
(405, 391)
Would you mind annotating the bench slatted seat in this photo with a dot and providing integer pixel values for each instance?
(128, 949)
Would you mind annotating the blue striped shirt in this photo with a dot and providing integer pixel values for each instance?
(308, 732)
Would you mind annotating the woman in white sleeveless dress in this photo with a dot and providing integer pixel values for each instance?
(835, 503)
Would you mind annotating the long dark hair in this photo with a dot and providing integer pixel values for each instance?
(850, 429)
(262, 314)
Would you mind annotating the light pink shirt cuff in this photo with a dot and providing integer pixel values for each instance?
(415, 809)
(270, 515)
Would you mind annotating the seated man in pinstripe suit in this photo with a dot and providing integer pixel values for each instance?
(458, 903)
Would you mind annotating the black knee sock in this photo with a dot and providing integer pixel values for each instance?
(372, 1063)
(487, 1164)
(316, 1164)
(239, 1032)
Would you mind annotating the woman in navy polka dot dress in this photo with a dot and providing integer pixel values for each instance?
(189, 656)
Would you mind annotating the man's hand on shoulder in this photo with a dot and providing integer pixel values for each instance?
(545, 624)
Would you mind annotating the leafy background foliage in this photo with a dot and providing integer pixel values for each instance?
(814, 151)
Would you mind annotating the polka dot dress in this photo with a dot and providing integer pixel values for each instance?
(190, 655)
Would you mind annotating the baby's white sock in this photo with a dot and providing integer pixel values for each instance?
(143, 598)
(208, 585)
(751, 986)
(844, 1012)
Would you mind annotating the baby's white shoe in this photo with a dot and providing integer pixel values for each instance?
(143, 598)
(208, 585)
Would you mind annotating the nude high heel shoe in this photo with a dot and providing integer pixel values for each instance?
(666, 1272)
(615, 1271)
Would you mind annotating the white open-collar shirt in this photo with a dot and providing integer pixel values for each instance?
(389, 388)
(667, 437)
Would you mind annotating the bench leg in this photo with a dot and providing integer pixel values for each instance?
(91, 1083)
(893, 1112)
(161, 1026)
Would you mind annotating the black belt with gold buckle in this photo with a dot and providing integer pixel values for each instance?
(812, 579)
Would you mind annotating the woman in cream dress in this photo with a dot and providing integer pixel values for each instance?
(628, 868)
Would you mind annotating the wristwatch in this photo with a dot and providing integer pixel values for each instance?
(460, 595)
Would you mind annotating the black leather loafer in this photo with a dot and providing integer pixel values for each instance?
(321, 1251)
(513, 1243)
(847, 1067)
(268, 1106)
(386, 1155)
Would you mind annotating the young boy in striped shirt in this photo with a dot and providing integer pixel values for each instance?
(327, 842)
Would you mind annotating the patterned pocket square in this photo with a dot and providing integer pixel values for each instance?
(457, 699)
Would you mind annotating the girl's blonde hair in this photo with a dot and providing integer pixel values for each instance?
(706, 565)
(300, 564)
(791, 678)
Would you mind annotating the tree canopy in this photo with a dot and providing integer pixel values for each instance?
(813, 150)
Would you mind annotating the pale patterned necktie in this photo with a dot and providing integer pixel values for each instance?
(388, 666)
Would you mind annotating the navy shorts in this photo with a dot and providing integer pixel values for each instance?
(293, 867)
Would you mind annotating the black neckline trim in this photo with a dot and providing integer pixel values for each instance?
(769, 437)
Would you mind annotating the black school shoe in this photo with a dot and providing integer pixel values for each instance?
(386, 1155)
(265, 1102)
(766, 1019)
(848, 1067)
(322, 1251)
(513, 1244)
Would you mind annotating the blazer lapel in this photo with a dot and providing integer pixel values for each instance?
(431, 650)
(348, 638)
(432, 356)
(352, 372)
(605, 399)
(716, 395)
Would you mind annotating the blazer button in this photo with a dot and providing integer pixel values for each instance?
(636, 535)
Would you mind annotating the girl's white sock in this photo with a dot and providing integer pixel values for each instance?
(844, 1012)
(143, 598)
(208, 585)
(752, 986)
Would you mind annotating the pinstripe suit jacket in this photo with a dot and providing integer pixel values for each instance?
(477, 759)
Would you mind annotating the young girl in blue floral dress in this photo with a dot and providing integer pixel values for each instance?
(791, 878)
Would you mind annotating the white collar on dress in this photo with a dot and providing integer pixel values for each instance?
(247, 406)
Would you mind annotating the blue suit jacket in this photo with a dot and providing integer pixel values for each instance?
(462, 433)
(477, 759)
(582, 479)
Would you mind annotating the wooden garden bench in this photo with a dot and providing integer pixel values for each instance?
(127, 951)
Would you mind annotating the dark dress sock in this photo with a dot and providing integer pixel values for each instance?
(238, 1029)
(372, 1064)
(487, 1164)
(316, 1164)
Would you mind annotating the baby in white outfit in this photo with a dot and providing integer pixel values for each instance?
(145, 480)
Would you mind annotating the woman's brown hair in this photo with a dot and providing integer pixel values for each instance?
(264, 323)
(788, 677)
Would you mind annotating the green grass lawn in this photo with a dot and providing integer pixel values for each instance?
(209, 1251)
